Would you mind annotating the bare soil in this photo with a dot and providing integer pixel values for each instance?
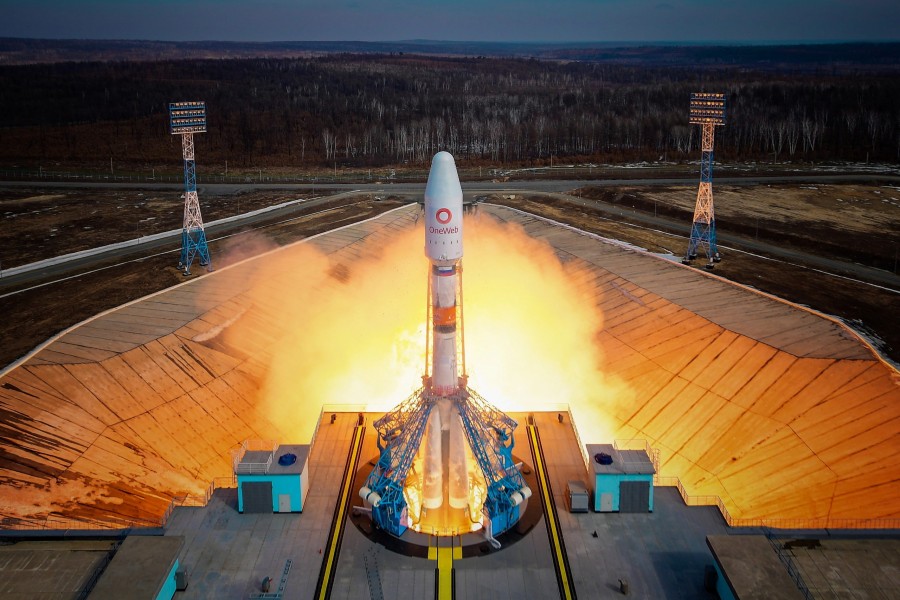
(855, 223)
(39, 224)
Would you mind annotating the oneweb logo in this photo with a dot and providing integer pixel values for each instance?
(443, 216)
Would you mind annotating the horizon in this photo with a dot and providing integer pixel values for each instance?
(570, 43)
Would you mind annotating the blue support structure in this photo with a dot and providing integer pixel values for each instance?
(399, 436)
(489, 433)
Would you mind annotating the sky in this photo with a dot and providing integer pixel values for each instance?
(456, 20)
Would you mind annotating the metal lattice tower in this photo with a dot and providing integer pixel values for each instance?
(708, 111)
(186, 119)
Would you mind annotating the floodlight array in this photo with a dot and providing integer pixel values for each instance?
(187, 117)
(707, 107)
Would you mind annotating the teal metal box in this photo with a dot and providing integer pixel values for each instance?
(625, 484)
(272, 480)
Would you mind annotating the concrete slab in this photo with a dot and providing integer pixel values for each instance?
(139, 569)
(59, 570)
(662, 554)
(752, 568)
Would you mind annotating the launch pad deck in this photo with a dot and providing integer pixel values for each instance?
(660, 554)
(781, 414)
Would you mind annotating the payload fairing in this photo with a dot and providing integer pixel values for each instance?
(420, 485)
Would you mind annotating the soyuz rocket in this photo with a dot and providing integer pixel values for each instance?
(445, 427)
(444, 249)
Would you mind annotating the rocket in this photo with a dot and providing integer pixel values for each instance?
(445, 427)
(444, 249)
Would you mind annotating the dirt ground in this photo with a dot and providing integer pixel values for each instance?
(39, 224)
(856, 223)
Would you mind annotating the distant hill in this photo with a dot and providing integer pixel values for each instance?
(837, 57)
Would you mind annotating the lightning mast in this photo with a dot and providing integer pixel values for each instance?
(186, 119)
(708, 111)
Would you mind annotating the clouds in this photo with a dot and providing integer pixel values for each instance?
(464, 20)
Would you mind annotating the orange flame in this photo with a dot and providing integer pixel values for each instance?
(353, 333)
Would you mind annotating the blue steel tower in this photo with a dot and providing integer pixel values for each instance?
(708, 111)
(186, 119)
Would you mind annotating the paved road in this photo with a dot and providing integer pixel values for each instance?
(542, 185)
(170, 243)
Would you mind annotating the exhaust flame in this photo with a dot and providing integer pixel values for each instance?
(354, 334)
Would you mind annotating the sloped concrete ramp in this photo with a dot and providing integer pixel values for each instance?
(783, 414)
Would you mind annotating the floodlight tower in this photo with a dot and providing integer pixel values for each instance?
(708, 111)
(186, 119)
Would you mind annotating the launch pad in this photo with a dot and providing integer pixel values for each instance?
(446, 521)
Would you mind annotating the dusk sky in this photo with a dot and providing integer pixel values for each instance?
(464, 20)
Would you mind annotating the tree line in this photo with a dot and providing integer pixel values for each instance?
(378, 110)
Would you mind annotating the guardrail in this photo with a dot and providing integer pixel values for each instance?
(196, 500)
(250, 468)
(60, 523)
(89, 584)
(387, 176)
(792, 569)
(767, 523)
(245, 179)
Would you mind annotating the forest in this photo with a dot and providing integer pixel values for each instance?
(375, 110)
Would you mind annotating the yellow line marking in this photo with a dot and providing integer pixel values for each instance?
(445, 573)
(548, 512)
(342, 510)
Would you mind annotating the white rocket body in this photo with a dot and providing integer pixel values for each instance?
(444, 249)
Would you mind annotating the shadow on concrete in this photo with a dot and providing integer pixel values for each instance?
(682, 574)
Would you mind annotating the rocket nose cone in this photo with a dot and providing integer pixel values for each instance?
(443, 156)
(443, 180)
(443, 211)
